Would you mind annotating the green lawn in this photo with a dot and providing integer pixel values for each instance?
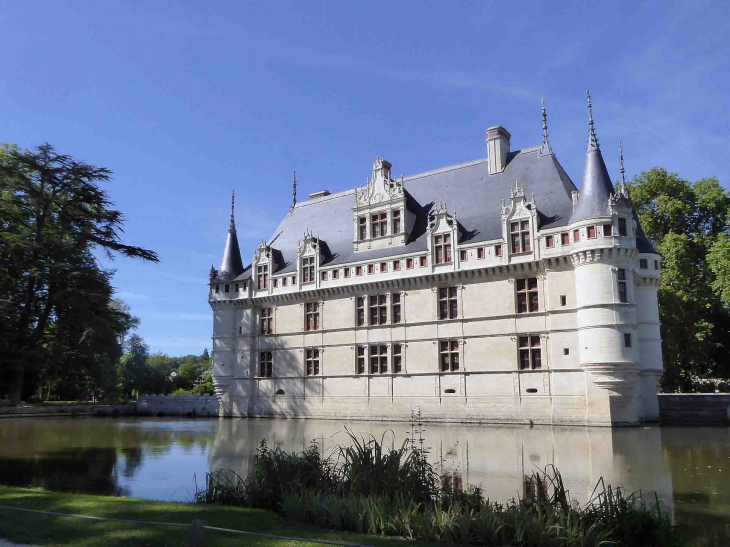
(33, 528)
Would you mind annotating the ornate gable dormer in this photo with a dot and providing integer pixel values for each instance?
(309, 257)
(519, 223)
(263, 265)
(443, 236)
(380, 216)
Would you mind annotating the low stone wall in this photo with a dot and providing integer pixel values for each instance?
(185, 405)
(64, 409)
(694, 407)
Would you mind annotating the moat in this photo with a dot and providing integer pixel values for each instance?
(160, 458)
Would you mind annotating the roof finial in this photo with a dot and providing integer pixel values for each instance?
(232, 225)
(621, 161)
(545, 148)
(592, 139)
(294, 191)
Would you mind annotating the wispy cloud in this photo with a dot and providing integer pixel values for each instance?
(131, 295)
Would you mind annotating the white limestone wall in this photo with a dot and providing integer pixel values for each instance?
(650, 343)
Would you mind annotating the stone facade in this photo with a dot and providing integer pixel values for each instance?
(539, 309)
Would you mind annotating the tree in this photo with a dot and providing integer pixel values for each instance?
(133, 369)
(689, 223)
(53, 215)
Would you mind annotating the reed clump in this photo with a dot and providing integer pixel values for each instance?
(369, 488)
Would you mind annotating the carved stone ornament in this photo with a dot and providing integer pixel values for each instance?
(518, 206)
(220, 385)
(440, 220)
(618, 378)
(380, 188)
(213, 273)
(620, 200)
(308, 245)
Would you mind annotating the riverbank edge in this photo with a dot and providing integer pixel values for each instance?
(37, 529)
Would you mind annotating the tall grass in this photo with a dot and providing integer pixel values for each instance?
(369, 488)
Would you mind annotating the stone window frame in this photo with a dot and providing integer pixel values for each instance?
(524, 282)
(347, 271)
(481, 253)
(383, 267)
(622, 285)
(323, 276)
(498, 250)
(422, 261)
(312, 310)
(549, 242)
(363, 355)
(265, 368)
(576, 235)
(623, 228)
(266, 321)
(396, 221)
(396, 303)
(262, 274)
(564, 239)
(378, 224)
(643, 264)
(315, 360)
(396, 265)
(274, 282)
(443, 246)
(382, 357)
(450, 348)
(607, 230)
(361, 309)
(217, 289)
(308, 269)
(448, 299)
(362, 230)
(521, 229)
(463, 255)
(627, 340)
(371, 268)
(380, 305)
(410, 263)
(591, 230)
(284, 281)
(335, 274)
(358, 271)
(530, 347)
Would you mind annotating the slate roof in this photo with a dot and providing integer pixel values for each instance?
(595, 188)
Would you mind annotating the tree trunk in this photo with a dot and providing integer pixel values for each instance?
(15, 389)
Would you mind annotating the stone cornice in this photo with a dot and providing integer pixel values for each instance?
(602, 255)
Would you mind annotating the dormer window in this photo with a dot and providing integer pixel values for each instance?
(396, 222)
(308, 269)
(379, 225)
(363, 229)
(263, 276)
(442, 248)
(520, 236)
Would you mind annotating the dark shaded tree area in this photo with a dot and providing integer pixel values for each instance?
(61, 330)
(690, 225)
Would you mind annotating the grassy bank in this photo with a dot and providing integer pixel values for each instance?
(38, 529)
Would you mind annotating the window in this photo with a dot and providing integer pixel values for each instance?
(397, 357)
(240, 330)
(622, 226)
(449, 355)
(576, 236)
(358, 270)
(566, 351)
(379, 359)
(363, 229)
(607, 230)
(335, 274)
(396, 222)
(497, 250)
(643, 263)
(409, 263)
(237, 286)
(379, 225)
(530, 356)
(656, 264)
(480, 253)
(311, 319)
(591, 232)
(226, 288)
(383, 267)
(549, 241)
(565, 238)
(520, 236)
(263, 276)
(347, 272)
(360, 360)
(371, 269)
(265, 361)
(527, 295)
(283, 281)
(563, 300)
(627, 340)
(312, 361)
(308, 269)
(244, 286)
(323, 276)
(294, 280)
(396, 265)
(442, 248)
(395, 313)
(360, 311)
(422, 261)
(275, 282)
(266, 321)
(463, 256)
(217, 289)
(448, 303)
(622, 285)
(378, 309)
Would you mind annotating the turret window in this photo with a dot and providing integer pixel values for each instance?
(263, 276)
(530, 353)
(442, 248)
(576, 236)
(308, 269)
(311, 318)
(378, 309)
(217, 289)
(265, 364)
(607, 230)
(379, 225)
(627, 340)
(448, 303)
(396, 222)
(226, 288)
(591, 232)
(312, 361)
(527, 295)
(622, 226)
(643, 263)
(621, 275)
(520, 236)
(449, 355)
(549, 241)
(266, 321)
(565, 238)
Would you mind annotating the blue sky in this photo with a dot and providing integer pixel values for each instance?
(186, 100)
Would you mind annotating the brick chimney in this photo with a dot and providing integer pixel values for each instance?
(497, 148)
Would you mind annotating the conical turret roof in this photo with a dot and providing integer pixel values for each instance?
(596, 186)
(231, 265)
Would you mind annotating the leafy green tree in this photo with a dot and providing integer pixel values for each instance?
(134, 373)
(689, 223)
(53, 215)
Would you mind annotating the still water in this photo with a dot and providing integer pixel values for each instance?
(159, 458)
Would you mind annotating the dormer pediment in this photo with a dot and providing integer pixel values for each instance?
(518, 206)
(266, 255)
(309, 246)
(440, 221)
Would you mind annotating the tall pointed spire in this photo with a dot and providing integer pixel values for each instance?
(621, 161)
(294, 191)
(596, 187)
(231, 265)
(545, 148)
(592, 138)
